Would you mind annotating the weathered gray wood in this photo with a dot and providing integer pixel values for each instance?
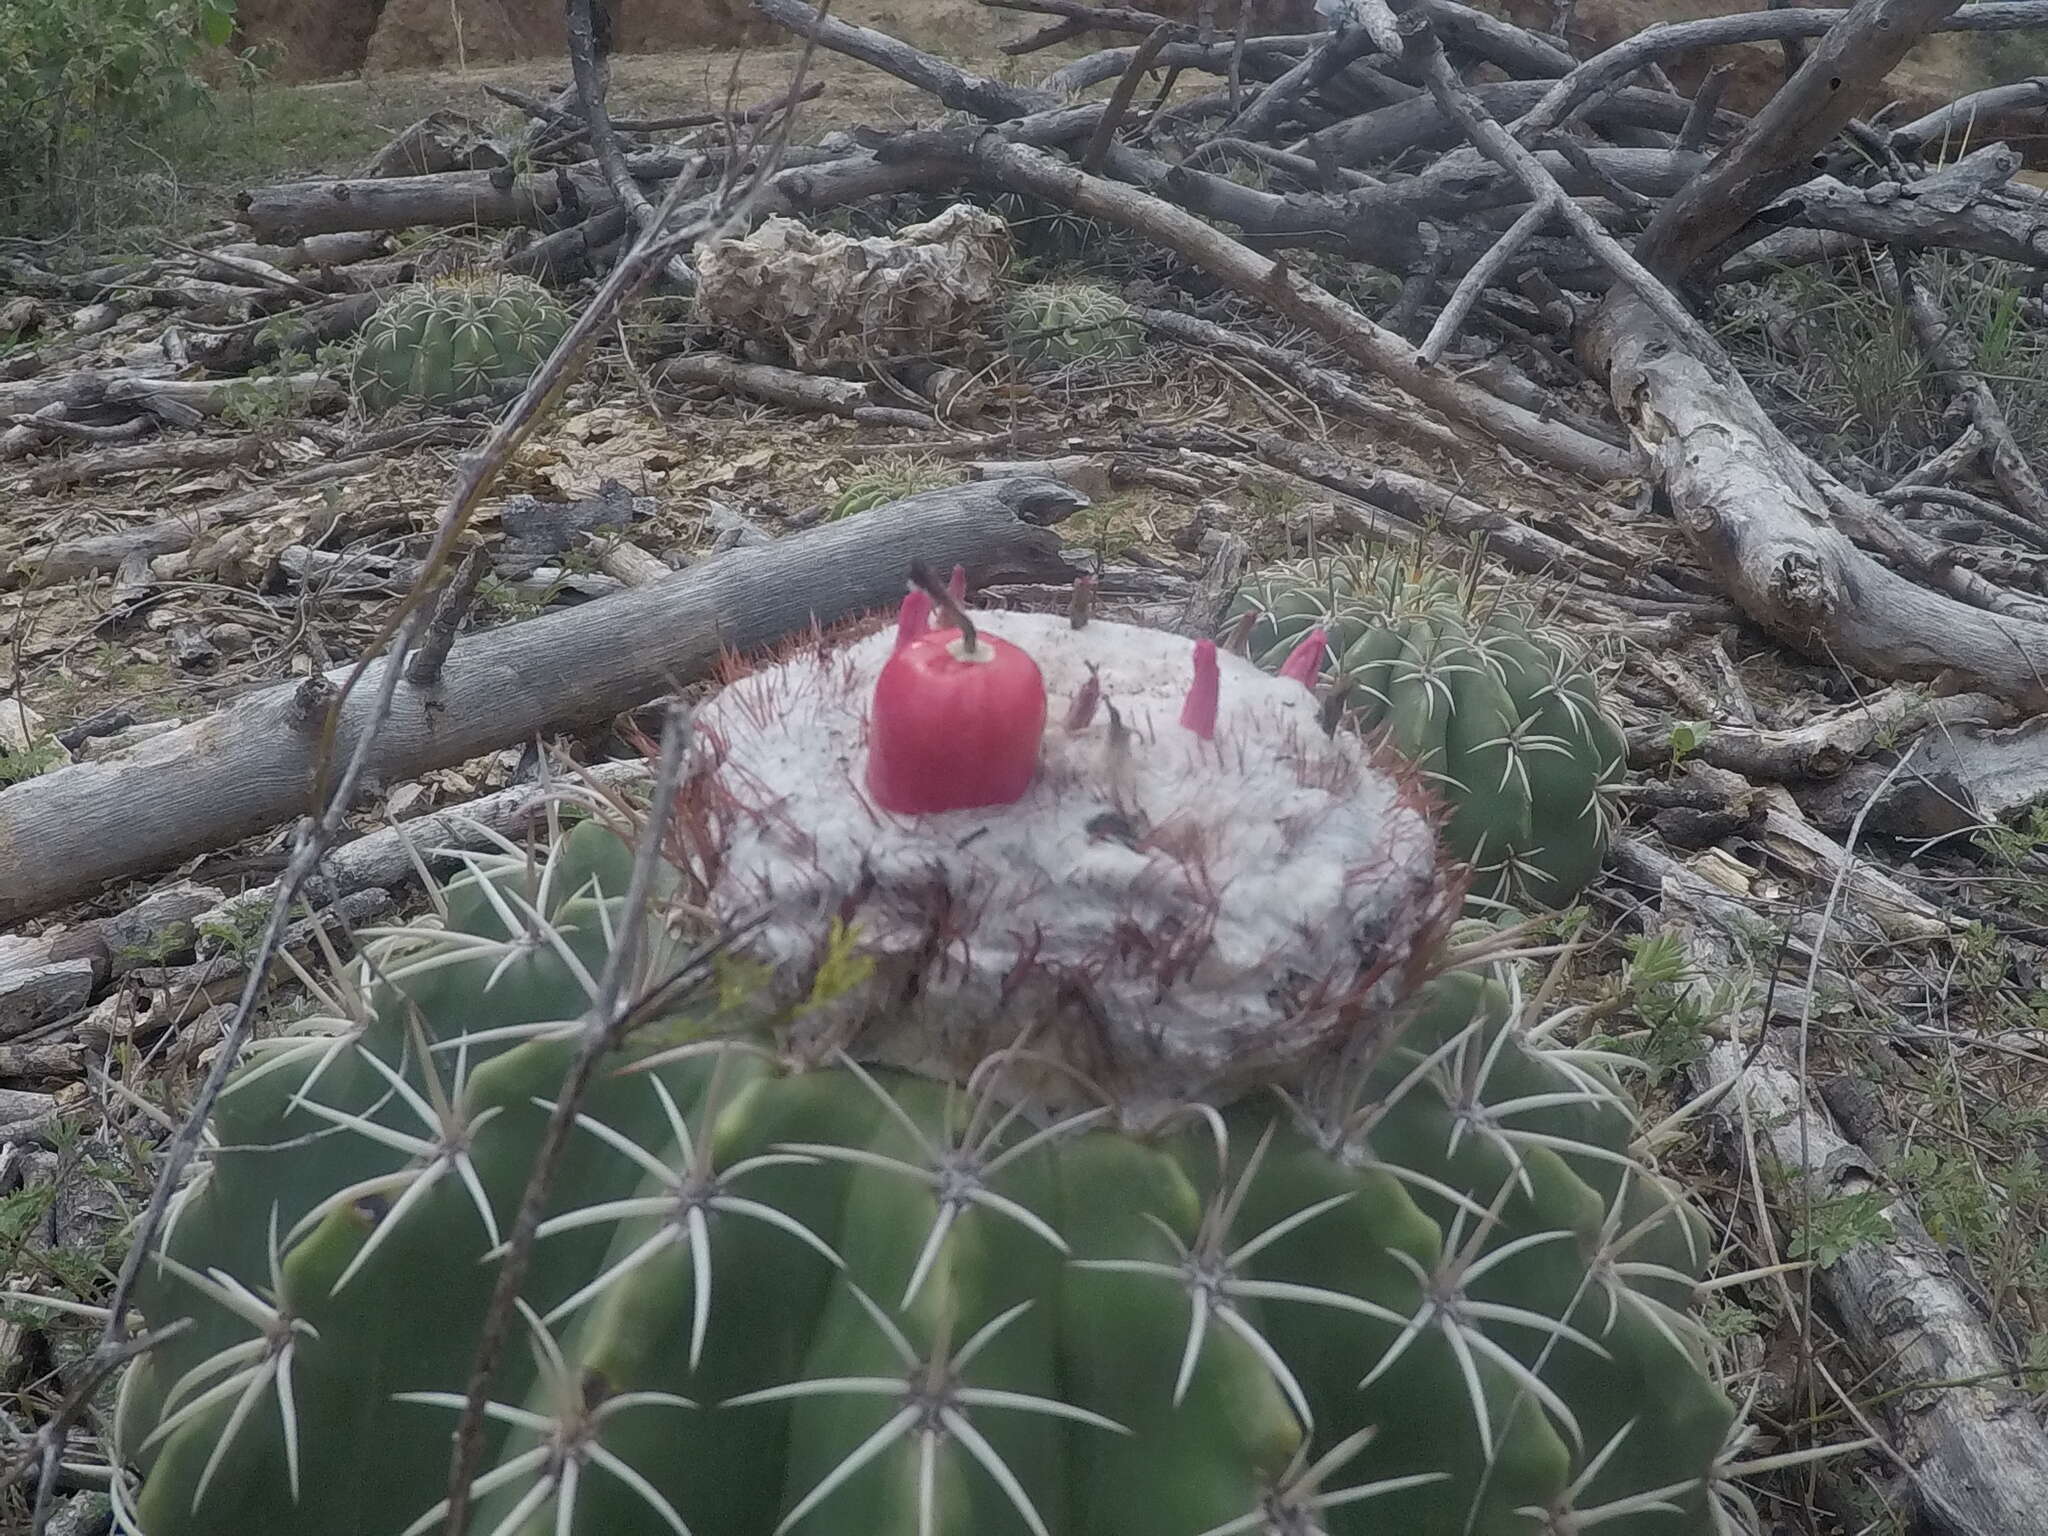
(1951, 1408)
(1764, 518)
(1422, 124)
(294, 210)
(1952, 207)
(764, 381)
(36, 995)
(1823, 746)
(1022, 168)
(254, 765)
(1956, 779)
(1775, 153)
(26, 1116)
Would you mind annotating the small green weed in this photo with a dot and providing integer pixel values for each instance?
(1834, 1226)
(41, 758)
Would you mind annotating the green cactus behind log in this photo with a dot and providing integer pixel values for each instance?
(444, 342)
(886, 481)
(778, 1290)
(1054, 324)
(1500, 710)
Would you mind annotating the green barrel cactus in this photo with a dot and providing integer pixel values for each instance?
(443, 342)
(833, 1248)
(890, 480)
(1054, 324)
(1500, 710)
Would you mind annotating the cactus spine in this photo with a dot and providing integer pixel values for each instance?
(440, 343)
(1500, 710)
(938, 1204)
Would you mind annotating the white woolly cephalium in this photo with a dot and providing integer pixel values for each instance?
(1168, 911)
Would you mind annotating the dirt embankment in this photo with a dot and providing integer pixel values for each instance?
(327, 39)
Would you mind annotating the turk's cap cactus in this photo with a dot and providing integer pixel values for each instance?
(1196, 880)
(1108, 1157)
(1055, 323)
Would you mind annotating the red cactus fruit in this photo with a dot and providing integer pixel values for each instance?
(957, 719)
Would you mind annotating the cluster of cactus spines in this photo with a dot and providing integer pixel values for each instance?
(1125, 905)
(444, 342)
(1054, 238)
(1500, 709)
(1053, 324)
(946, 1198)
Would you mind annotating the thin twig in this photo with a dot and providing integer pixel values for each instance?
(1480, 277)
(1706, 101)
(335, 796)
(1940, 340)
(612, 1009)
(1120, 98)
(1426, 54)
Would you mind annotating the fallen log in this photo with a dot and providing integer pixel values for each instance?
(764, 381)
(1959, 205)
(1823, 747)
(294, 210)
(1955, 782)
(254, 765)
(1763, 518)
(1776, 151)
(1958, 1419)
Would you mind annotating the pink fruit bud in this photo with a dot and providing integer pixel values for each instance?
(1305, 662)
(913, 618)
(1199, 713)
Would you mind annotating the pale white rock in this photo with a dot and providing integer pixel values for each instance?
(1164, 913)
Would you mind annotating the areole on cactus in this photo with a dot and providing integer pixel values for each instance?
(1118, 1159)
(1502, 712)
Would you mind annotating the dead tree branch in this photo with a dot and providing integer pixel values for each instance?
(251, 766)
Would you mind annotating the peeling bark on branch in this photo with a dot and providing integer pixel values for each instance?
(1763, 517)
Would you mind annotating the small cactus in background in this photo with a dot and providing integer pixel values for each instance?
(1500, 710)
(444, 342)
(1054, 324)
(1111, 1156)
(887, 481)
